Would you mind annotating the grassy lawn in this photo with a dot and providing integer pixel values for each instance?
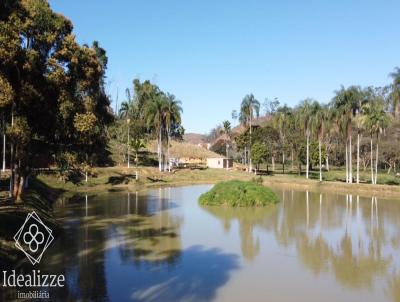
(114, 178)
(337, 174)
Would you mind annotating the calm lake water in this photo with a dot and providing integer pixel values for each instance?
(160, 245)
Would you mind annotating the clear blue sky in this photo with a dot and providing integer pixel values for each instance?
(211, 53)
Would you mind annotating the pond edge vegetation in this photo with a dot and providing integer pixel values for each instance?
(238, 193)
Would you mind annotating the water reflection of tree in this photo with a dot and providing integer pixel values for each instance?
(139, 227)
(247, 218)
(356, 259)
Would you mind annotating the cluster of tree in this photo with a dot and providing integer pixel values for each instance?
(358, 122)
(149, 114)
(52, 98)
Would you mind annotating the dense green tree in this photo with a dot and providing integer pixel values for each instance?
(54, 82)
(396, 91)
(259, 154)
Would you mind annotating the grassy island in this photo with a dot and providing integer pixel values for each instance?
(237, 193)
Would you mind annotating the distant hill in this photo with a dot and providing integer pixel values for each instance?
(194, 138)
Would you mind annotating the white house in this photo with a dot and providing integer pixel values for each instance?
(219, 162)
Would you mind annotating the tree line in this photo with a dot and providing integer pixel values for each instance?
(148, 113)
(359, 126)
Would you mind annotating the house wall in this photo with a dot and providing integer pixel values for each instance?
(215, 163)
(219, 163)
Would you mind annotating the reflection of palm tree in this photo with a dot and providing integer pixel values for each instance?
(357, 270)
(353, 267)
(247, 218)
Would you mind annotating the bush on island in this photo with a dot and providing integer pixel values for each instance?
(236, 193)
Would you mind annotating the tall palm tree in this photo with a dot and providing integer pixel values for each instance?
(280, 123)
(347, 102)
(172, 115)
(155, 119)
(396, 91)
(226, 125)
(137, 143)
(307, 110)
(375, 120)
(250, 108)
(331, 131)
(127, 107)
(320, 121)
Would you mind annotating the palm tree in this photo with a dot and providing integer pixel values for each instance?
(249, 109)
(234, 116)
(127, 107)
(137, 143)
(280, 122)
(347, 102)
(172, 117)
(396, 91)
(226, 125)
(331, 131)
(155, 118)
(307, 110)
(320, 120)
(375, 120)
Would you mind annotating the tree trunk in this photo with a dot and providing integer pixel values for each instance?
(16, 180)
(372, 164)
(347, 162)
(245, 157)
(4, 145)
(292, 160)
(376, 162)
(250, 166)
(320, 160)
(160, 164)
(350, 162)
(358, 157)
(273, 164)
(283, 162)
(12, 159)
(169, 160)
(308, 154)
(327, 160)
(226, 151)
(20, 188)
